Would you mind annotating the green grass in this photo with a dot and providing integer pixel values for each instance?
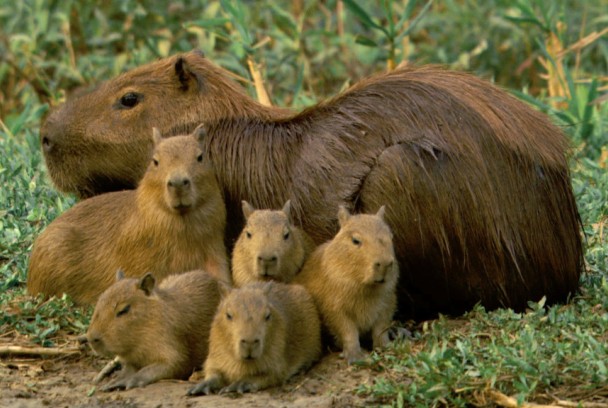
(557, 351)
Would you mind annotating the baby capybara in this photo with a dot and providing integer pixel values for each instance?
(353, 279)
(173, 222)
(158, 331)
(262, 334)
(269, 247)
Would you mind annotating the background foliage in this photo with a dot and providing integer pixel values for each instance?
(553, 54)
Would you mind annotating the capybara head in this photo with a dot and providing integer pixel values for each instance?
(268, 241)
(178, 172)
(363, 248)
(99, 140)
(124, 314)
(248, 321)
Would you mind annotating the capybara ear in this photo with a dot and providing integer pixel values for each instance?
(381, 212)
(198, 52)
(247, 209)
(146, 283)
(185, 75)
(120, 274)
(343, 215)
(200, 132)
(287, 209)
(224, 288)
(156, 136)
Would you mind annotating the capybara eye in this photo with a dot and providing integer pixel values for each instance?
(155, 162)
(199, 158)
(286, 236)
(129, 100)
(248, 234)
(228, 316)
(356, 241)
(123, 311)
(267, 317)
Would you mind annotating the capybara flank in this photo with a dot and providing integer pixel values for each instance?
(174, 222)
(269, 247)
(476, 182)
(157, 330)
(262, 334)
(353, 280)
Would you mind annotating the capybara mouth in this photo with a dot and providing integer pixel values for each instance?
(182, 208)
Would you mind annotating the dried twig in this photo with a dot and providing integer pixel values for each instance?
(258, 82)
(107, 370)
(37, 351)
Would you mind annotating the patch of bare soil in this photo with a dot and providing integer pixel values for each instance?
(67, 381)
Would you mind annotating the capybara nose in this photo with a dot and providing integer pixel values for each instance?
(266, 262)
(248, 347)
(178, 182)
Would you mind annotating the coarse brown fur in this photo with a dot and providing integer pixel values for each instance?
(353, 281)
(262, 334)
(174, 222)
(270, 247)
(158, 331)
(476, 182)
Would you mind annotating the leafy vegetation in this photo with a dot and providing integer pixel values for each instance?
(551, 54)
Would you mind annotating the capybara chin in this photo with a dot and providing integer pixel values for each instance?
(262, 334)
(476, 182)
(158, 331)
(270, 247)
(353, 281)
(174, 222)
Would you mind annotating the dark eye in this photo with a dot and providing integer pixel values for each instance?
(267, 317)
(286, 236)
(123, 311)
(199, 158)
(228, 316)
(356, 241)
(248, 234)
(129, 100)
(155, 162)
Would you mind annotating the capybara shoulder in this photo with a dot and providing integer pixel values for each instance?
(262, 334)
(172, 223)
(353, 279)
(157, 330)
(270, 247)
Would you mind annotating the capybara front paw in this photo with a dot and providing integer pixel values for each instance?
(399, 333)
(118, 384)
(203, 388)
(355, 357)
(240, 387)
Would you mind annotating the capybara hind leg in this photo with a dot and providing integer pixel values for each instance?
(380, 334)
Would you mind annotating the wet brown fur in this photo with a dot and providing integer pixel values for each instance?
(284, 322)
(353, 280)
(270, 247)
(476, 183)
(150, 229)
(158, 331)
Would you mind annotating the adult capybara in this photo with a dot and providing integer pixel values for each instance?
(262, 334)
(353, 281)
(158, 331)
(476, 183)
(270, 247)
(174, 222)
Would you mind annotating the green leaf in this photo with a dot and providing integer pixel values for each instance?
(368, 42)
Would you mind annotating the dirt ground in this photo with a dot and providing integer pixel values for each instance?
(67, 381)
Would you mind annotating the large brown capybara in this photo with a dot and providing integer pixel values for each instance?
(157, 330)
(476, 183)
(353, 279)
(174, 222)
